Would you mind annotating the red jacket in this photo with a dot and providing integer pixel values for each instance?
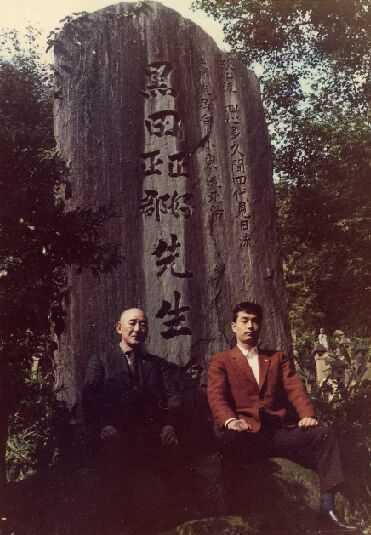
(234, 393)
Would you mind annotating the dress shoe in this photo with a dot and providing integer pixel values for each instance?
(331, 520)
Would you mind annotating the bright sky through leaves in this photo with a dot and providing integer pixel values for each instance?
(46, 14)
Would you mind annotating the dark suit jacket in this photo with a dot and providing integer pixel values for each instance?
(111, 397)
(234, 393)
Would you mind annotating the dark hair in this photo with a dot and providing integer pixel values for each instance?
(250, 308)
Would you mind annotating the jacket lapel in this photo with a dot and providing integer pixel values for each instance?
(119, 362)
(264, 362)
(239, 360)
(145, 366)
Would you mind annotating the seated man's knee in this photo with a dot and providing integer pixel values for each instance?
(327, 433)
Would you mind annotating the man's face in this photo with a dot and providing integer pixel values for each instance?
(133, 327)
(247, 329)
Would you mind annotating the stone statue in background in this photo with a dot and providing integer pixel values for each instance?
(361, 361)
(338, 336)
(322, 338)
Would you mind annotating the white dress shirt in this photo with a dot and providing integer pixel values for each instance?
(252, 357)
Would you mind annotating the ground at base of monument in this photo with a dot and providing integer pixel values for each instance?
(283, 501)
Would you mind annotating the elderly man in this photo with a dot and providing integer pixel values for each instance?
(261, 410)
(131, 403)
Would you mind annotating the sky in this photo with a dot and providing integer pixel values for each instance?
(46, 14)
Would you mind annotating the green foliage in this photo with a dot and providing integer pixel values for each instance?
(35, 431)
(349, 415)
(38, 238)
(325, 222)
(313, 58)
(323, 42)
(342, 401)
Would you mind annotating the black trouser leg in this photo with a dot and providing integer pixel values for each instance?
(116, 481)
(236, 449)
(316, 448)
(143, 475)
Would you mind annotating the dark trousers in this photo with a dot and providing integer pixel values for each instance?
(136, 478)
(315, 448)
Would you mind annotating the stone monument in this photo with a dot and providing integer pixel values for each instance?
(169, 131)
(323, 369)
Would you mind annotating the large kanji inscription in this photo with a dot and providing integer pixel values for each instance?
(159, 124)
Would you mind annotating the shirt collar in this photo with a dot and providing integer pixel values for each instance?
(249, 353)
(127, 352)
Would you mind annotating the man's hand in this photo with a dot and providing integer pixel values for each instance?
(239, 425)
(168, 436)
(306, 423)
(108, 431)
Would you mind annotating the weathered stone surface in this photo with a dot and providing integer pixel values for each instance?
(158, 123)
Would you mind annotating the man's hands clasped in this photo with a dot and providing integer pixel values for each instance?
(242, 425)
(239, 425)
(307, 423)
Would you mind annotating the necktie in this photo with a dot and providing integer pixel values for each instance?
(131, 361)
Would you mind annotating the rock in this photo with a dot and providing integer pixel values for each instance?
(270, 498)
(227, 525)
(169, 131)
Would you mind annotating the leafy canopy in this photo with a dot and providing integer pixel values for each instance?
(313, 58)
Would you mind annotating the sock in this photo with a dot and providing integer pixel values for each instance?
(327, 502)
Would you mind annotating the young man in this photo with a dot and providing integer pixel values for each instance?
(261, 409)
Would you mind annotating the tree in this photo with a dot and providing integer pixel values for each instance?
(325, 227)
(312, 57)
(38, 239)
